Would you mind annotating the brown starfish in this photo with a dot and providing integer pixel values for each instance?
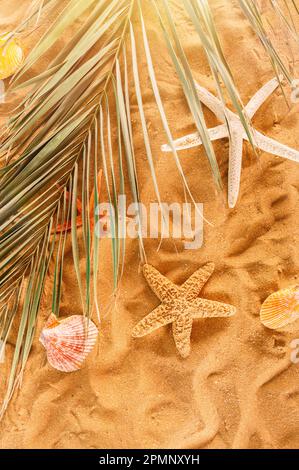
(180, 305)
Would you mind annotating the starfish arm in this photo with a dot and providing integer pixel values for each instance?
(160, 285)
(161, 316)
(181, 329)
(276, 148)
(234, 167)
(195, 283)
(204, 308)
(211, 102)
(260, 96)
(194, 140)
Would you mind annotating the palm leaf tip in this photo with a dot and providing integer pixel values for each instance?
(63, 133)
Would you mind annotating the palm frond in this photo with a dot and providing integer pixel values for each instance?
(201, 15)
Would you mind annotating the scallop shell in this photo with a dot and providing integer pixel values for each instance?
(11, 56)
(281, 308)
(68, 341)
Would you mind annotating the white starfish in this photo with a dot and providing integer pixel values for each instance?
(236, 134)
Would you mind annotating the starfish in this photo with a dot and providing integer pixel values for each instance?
(180, 306)
(235, 131)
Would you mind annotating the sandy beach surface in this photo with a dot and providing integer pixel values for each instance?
(238, 388)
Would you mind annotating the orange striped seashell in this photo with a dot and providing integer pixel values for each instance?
(68, 341)
(281, 308)
(11, 56)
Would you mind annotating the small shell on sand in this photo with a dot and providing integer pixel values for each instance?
(11, 56)
(281, 308)
(68, 341)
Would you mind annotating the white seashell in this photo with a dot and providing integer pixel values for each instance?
(68, 341)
